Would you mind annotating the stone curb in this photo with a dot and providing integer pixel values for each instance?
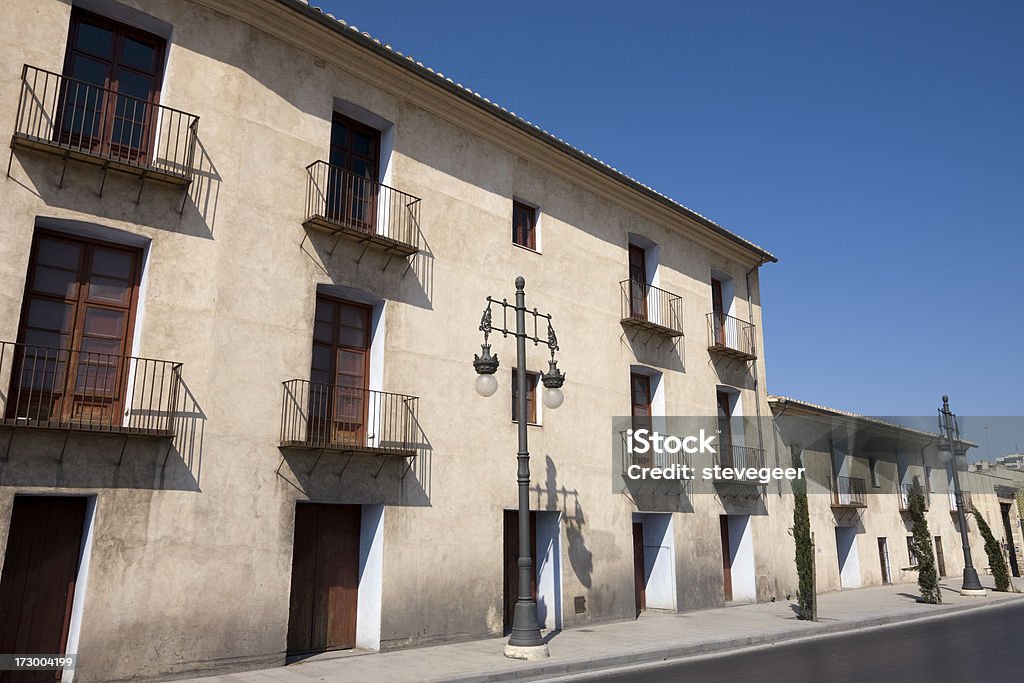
(579, 666)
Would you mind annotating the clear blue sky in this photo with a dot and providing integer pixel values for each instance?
(875, 147)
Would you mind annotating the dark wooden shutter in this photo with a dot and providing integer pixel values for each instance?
(40, 572)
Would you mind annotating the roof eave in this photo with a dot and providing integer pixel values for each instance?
(378, 48)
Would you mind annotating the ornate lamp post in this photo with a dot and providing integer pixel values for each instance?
(951, 449)
(526, 641)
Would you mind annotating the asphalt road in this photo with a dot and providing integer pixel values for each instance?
(979, 645)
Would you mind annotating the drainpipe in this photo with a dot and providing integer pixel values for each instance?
(757, 398)
(775, 440)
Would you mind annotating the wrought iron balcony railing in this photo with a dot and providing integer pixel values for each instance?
(357, 207)
(731, 336)
(737, 459)
(84, 121)
(968, 502)
(662, 459)
(331, 417)
(649, 308)
(848, 492)
(75, 390)
(905, 497)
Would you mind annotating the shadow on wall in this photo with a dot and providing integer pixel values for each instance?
(348, 262)
(124, 198)
(40, 457)
(734, 372)
(331, 475)
(204, 193)
(659, 351)
(550, 496)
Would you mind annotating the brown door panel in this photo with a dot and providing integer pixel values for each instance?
(39, 576)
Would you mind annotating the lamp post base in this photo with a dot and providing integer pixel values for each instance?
(972, 584)
(528, 653)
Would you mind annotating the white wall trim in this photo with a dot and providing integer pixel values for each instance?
(81, 581)
(371, 577)
(548, 553)
(741, 549)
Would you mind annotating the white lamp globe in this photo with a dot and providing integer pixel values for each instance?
(486, 385)
(553, 397)
(945, 456)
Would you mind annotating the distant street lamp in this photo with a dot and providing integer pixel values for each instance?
(951, 449)
(526, 641)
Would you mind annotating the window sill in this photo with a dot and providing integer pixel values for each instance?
(528, 424)
(525, 248)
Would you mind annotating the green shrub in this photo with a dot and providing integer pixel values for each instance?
(996, 561)
(927, 575)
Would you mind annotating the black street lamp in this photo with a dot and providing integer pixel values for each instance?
(526, 641)
(951, 449)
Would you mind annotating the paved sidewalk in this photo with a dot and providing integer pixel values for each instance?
(655, 636)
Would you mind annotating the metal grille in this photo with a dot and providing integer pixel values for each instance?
(739, 457)
(77, 390)
(648, 306)
(339, 199)
(849, 492)
(92, 121)
(335, 417)
(730, 334)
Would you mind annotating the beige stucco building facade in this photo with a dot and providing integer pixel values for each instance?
(246, 250)
(177, 271)
(860, 470)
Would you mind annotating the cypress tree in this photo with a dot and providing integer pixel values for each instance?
(804, 547)
(927, 575)
(996, 562)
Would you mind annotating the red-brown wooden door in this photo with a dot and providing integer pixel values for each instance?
(726, 557)
(718, 311)
(637, 282)
(77, 319)
(639, 580)
(940, 559)
(40, 571)
(352, 182)
(640, 409)
(339, 376)
(110, 107)
(724, 428)
(511, 562)
(325, 578)
(883, 560)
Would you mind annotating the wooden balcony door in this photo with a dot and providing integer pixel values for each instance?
(718, 311)
(78, 315)
(339, 377)
(325, 578)
(640, 409)
(111, 106)
(637, 282)
(352, 183)
(40, 571)
(722, 399)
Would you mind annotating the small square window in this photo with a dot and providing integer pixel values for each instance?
(524, 225)
(532, 379)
